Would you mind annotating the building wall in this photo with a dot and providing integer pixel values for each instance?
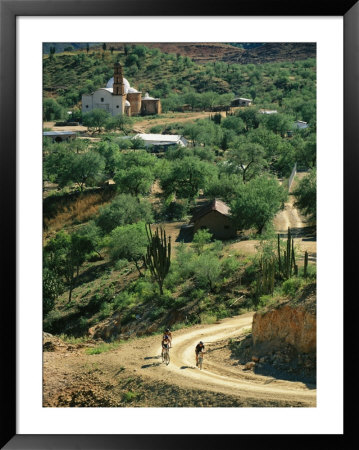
(135, 99)
(114, 104)
(222, 227)
(151, 107)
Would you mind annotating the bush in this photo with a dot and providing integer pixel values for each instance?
(291, 287)
(208, 318)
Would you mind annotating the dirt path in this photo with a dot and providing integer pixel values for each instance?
(77, 379)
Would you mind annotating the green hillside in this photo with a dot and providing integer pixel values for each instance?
(175, 78)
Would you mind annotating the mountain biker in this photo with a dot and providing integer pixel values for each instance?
(169, 334)
(165, 343)
(199, 349)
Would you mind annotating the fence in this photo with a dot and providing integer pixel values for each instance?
(292, 175)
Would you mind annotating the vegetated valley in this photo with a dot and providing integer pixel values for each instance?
(123, 257)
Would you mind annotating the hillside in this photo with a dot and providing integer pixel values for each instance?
(247, 53)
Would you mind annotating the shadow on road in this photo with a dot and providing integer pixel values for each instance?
(187, 367)
(146, 366)
(153, 357)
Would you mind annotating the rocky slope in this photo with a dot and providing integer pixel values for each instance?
(283, 339)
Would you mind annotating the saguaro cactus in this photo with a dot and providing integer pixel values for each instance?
(288, 266)
(158, 255)
(305, 264)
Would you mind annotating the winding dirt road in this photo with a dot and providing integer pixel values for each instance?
(74, 378)
(229, 379)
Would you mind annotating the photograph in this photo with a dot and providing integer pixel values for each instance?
(179, 238)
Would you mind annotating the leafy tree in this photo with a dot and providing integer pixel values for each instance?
(225, 186)
(257, 202)
(96, 119)
(186, 177)
(200, 239)
(207, 270)
(111, 154)
(306, 195)
(123, 210)
(87, 168)
(129, 242)
(120, 122)
(52, 288)
(64, 255)
(248, 159)
(135, 180)
(250, 118)
(52, 110)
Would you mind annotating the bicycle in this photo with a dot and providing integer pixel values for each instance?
(166, 356)
(200, 360)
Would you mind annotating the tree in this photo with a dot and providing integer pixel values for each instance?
(200, 239)
(52, 287)
(104, 46)
(87, 168)
(248, 159)
(207, 270)
(64, 255)
(123, 210)
(96, 119)
(120, 122)
(186, 177)
(257, 202)
(51, 110)
(129, 242)
(306, 195)
(135, 180)
(225, 186)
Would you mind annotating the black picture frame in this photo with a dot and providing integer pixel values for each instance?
(9, 10)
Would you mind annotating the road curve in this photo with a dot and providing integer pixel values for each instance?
(230, 380)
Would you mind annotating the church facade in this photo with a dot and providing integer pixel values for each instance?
(118, 97)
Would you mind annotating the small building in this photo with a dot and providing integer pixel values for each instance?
(240, 101)
(215, 216)
(59, 136)
(300, 124)
(268, 111)
(162, 141)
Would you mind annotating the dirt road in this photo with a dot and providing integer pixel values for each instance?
(77, 379)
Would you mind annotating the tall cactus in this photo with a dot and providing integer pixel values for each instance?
(158, 255)
(305, 264)
(288, 265)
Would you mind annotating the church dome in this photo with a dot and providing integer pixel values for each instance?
(125, 82)
(127, 103)
(132, 90)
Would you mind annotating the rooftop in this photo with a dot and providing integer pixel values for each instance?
(214, 205)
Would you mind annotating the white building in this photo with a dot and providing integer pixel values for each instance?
(301, 124)
(118, 97)
(162, 140)
(268, 111)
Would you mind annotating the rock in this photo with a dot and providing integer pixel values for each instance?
(249, 365)
(255, 359)
(49, 346)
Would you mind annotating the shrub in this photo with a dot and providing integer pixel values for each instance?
(208, 318)
(291, 287)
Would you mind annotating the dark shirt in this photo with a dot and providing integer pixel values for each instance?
(199, 348)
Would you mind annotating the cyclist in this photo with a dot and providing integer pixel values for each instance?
(199, 348)
(165, 343)
(169, 334)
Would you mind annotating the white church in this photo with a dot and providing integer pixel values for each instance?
(118, 97)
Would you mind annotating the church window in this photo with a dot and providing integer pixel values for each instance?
(117, 106)
(102, 99)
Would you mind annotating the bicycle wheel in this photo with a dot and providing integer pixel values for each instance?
(167, 358)
(200, 361)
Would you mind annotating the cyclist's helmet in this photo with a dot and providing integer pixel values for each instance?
(201, 343)
(167, 330)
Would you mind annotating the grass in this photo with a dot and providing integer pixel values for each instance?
(208, 318)
(102, 348)
(130, 396)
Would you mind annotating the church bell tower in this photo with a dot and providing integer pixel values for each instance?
(118, 86)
